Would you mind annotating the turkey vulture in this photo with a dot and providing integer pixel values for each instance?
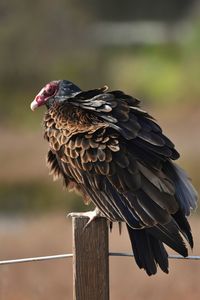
(104, 145)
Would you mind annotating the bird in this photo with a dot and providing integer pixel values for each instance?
(104, 145)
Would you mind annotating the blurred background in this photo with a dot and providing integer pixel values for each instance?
(150, 49)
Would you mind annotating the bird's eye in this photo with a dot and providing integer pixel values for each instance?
(50, 90)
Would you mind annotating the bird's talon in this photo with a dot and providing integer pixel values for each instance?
(71, 215)
(88, 222)
(89, 214)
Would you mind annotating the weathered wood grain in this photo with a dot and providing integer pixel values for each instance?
(90, 259)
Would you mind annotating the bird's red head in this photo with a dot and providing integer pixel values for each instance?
(45, 94)
(57, 90)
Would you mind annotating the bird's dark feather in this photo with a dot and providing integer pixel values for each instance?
(116, 154)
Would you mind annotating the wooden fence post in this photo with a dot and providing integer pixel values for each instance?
(90, 259)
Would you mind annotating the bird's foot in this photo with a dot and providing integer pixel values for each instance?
(90, 214)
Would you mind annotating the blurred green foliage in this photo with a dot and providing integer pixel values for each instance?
(164, 74)
(45, 40)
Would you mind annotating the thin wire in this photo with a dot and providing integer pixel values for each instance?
(62, 256)
(34, 259)
(191, 257)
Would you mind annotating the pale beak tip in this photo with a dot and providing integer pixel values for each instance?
(33, 105)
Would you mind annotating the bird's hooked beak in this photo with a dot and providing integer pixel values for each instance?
(34, 105)
(38, 101)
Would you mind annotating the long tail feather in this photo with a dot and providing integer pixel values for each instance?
(184, 226)
(148, 251)
(169, 234)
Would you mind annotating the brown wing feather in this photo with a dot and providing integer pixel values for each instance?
(104, 145)
(119, 142)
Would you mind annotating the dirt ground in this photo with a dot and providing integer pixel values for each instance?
(51, 234)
